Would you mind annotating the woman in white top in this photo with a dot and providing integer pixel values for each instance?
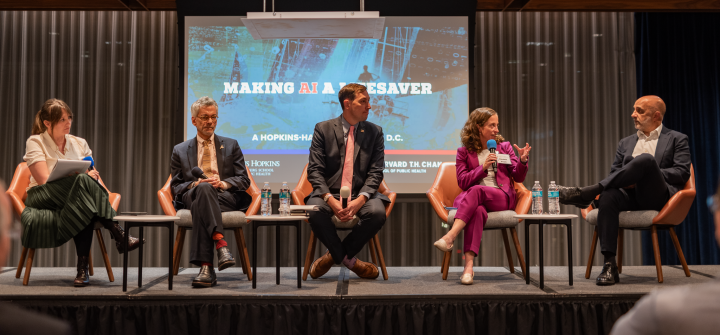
(68, 207)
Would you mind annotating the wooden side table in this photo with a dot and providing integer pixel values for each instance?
(277, 221)
(540, 220)
(141, 221)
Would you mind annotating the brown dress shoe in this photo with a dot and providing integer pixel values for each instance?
(321, 265)
(365, 270)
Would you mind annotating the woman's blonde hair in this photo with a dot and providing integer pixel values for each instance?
(470, 135)
(52, 111)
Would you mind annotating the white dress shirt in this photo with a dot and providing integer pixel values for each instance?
(489, 180)
(647, 144)
(42, 148)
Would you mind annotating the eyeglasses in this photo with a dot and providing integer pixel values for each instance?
(713, 203)
(206, 118)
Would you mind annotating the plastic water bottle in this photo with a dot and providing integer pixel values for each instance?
(537, 198)
(284, 200)
(266, 202)
(553, 199)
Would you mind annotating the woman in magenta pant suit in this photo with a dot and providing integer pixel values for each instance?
(484, 190)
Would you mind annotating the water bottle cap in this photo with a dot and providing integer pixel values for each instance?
(537, 182)
(552, 182)
(286, 182)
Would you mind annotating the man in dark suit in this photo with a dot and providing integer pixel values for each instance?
(347, 152)
(222, 161)
(650, 166)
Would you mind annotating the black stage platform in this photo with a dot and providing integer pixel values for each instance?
(415, 300)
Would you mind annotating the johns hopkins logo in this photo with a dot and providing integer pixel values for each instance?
(256, 163)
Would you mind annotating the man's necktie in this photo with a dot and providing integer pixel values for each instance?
(348, 166)
(206, 160)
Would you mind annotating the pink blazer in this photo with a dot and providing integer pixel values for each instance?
(469, 172)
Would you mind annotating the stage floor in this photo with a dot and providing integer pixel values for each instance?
(339, 283)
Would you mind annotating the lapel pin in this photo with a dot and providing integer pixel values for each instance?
(362, 130)
(222, 146)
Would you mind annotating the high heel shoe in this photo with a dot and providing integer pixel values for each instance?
(467, 279)
(442, 245)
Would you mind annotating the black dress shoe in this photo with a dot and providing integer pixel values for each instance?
(571, 196)
(609, 275)
(225, 258)
(206, 277)
(118, 234)
(83, 274)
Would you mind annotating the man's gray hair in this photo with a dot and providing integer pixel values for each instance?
(200, 103)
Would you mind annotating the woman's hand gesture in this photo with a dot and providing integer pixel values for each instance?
(524, 152)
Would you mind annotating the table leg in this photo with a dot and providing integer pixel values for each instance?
(140, 256)
(171, 228)
(277, 255)
(527, 252)
(540, 246)
(297, 230)
(570, 261)
(254, 261)
(125, 257)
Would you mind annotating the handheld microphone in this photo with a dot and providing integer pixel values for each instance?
(344, 195)
(199, 174)
(92, 163)
(492, 146)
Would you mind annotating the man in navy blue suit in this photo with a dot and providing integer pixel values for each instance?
(650, 166)
(222, 161)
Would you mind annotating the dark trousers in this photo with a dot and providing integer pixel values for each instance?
(650, 193)
(83, 240)
(372, 218)
(206, 205)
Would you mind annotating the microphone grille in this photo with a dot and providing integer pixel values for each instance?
(345, 192)
(491, 144)
(196, 172)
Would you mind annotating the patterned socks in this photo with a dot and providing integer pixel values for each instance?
(219, 242)
(349, 263)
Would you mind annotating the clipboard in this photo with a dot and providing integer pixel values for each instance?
(66, 167)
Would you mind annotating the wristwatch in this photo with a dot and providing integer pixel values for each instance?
(327, 196)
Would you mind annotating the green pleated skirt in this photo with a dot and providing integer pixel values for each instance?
(59, 210)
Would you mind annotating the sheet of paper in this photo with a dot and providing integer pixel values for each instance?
(66, 167)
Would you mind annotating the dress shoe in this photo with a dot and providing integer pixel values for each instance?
(225, 258)
(365, 270)
(442, 245)
(206, 277)
(609, 275)
(83, 274)
(118, 233)
(571, 196)
(467, 278)
(321, 265)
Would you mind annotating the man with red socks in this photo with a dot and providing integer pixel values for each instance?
(347, 152)
(223, 163)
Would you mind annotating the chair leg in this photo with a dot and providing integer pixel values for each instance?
(179, 243)
(679, 251)
(446, 264)
(240, 251)
(240, 240)
(309, 254)
(621, 239)
(371, 246)
(521, 258)
(22, 261)
(381, 257)
(28, 266)
(442, 264)
(507, 250)
(656, 250)
(90, 264)
(103, 250)
(592, 253)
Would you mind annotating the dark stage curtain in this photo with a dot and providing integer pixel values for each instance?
(331, 316)
(678, 59)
